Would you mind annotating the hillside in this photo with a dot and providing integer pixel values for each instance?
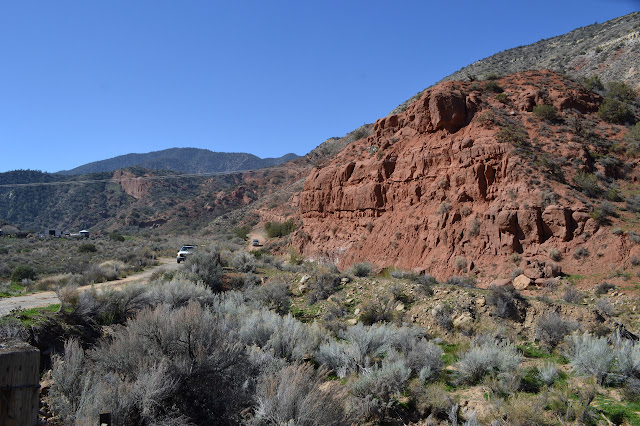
(131, 198)
(137, 198)
(184, 160)
(467, 177)
(610, 50)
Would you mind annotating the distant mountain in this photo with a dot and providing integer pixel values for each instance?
(610, 50)
(183, 160)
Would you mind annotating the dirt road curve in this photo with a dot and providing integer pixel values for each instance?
(47, 298)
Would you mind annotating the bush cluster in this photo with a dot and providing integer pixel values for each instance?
(191, 356)
(279, 229)
(23, 272)
(617, 105)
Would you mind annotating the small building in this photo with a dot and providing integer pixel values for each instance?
(53, 233)
(84, 233)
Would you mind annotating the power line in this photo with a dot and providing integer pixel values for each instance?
(71, 182)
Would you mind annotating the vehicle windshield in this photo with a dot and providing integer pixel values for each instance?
(186, 248)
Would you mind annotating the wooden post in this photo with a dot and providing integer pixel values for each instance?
(19, 384)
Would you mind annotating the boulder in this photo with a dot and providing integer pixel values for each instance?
(501, 282)
(462, 319)
(521, 282)
(447, 108)
(533, 273)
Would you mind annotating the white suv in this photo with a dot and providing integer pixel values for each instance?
(184, 252)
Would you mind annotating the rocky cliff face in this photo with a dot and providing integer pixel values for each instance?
(462, 180)
(131, 184)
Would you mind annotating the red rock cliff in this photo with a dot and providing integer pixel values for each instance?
(458, 182)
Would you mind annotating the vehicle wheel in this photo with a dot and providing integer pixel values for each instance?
(178, 260)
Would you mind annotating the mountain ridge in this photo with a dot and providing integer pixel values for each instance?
(184, 160)
(610, 50)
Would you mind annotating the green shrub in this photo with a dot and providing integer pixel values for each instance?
(492, 86)
(116, 236)
(545, 112)
(615, 111)
(363, 269)
(634, 133)
(513, 134)
(588, 183)
(279, 229)
(502, 98)
(242, 232)
(378, 309)
(360, 133)
(621, 91)
(592, 83)
(87, 248)
(22, 272)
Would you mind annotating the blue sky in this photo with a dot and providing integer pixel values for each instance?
(83, 81)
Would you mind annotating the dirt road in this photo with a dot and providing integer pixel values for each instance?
(258, 234)
(47, 298)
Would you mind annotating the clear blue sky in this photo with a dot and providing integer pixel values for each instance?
(82, 81)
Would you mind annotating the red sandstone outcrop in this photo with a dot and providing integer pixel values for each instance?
(131, 184)
(439, 182)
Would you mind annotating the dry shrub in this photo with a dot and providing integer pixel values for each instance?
(551, 329)
(68, 295)
(377, 389)
(431, 400)
(524, 410)
(54, 281)
(273, 295)
(298, 394)
(487, 357)
(157, 370)
(378, 309)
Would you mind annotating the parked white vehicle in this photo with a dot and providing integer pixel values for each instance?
(184, 252)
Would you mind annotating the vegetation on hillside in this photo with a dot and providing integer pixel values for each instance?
(280, 352)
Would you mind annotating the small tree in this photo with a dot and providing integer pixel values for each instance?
(616, 111)
(87, 248)
(22, 272)
(116, 236)
(545, 112)
(279, 229)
